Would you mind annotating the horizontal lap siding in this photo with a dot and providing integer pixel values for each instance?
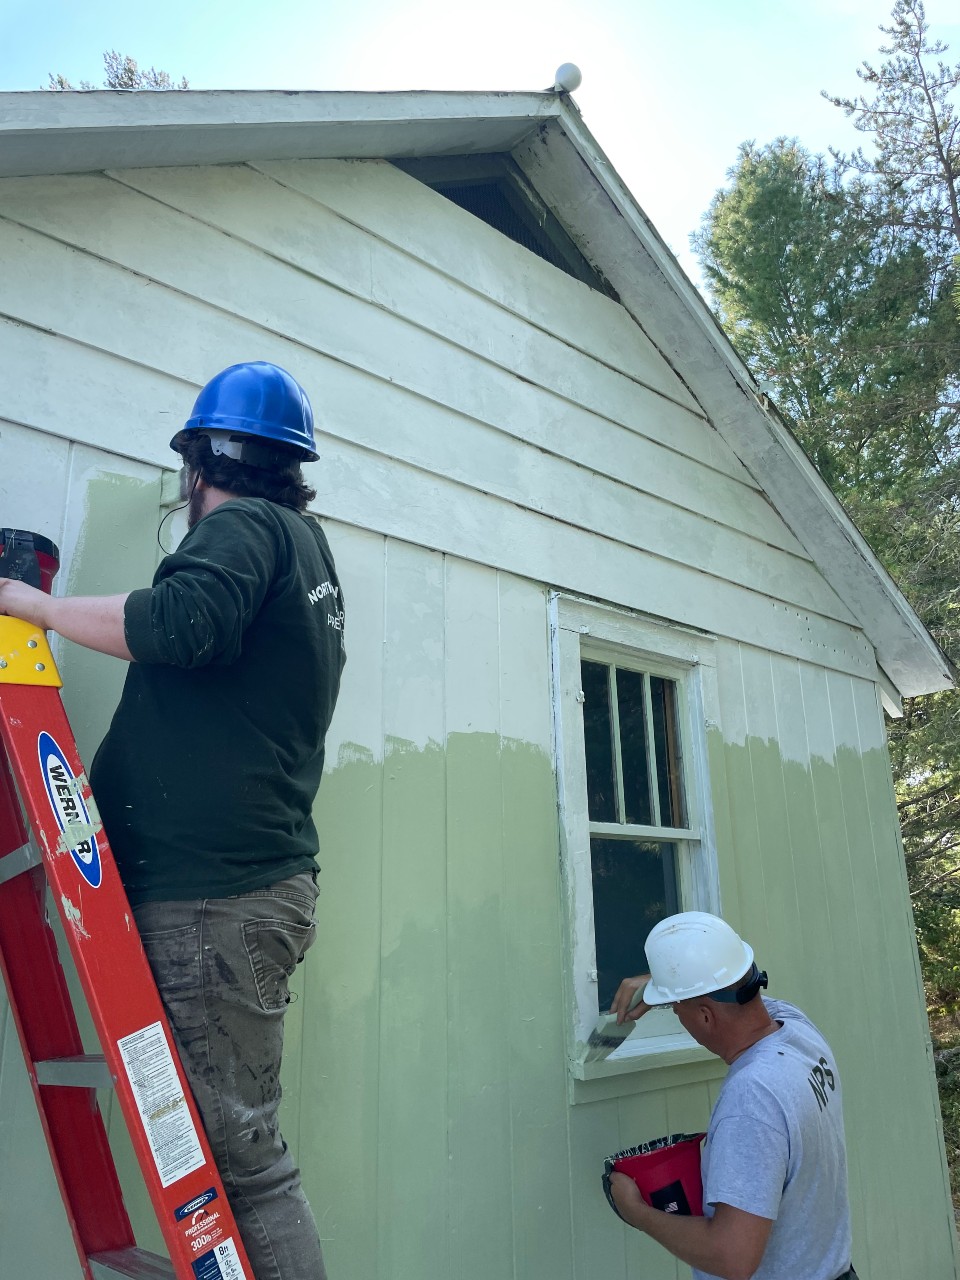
(519, 446)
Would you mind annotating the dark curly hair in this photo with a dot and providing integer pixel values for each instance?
(281, 483)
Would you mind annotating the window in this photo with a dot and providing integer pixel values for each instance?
(633, 701)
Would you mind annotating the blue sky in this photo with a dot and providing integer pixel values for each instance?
(670, 87)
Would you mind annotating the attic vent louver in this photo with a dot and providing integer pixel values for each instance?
(492, 188)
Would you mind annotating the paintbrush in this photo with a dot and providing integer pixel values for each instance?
(608, 1034)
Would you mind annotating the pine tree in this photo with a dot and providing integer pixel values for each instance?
(910, 113)
(836, 279)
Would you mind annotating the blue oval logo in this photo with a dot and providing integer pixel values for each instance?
(186, 1210)
(63, 790)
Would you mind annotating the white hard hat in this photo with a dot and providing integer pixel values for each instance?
(693, 954)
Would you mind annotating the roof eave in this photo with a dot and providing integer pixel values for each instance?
(81, 132)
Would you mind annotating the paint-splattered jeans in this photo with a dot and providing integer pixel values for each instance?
(222, 966)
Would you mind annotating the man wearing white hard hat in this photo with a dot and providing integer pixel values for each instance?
(774, 1161)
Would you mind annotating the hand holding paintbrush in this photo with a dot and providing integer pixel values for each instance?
(613, 1028)
(628, 1003)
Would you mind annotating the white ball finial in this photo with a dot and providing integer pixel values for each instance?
(568, 78)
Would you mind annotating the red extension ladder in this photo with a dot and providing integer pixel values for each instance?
(39, 763)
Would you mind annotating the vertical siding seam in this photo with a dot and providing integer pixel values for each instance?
(621, 1129)
(378, 1219)
(454, 1238)
(886, 951)
(57, 640)
(813, 796)
(871, 833)
(504, 897)
(844, 810)
(752, 741)
(833, 737)
(907, 913)
(782, 762)
(556, 751)
(853, 1150)
(753, 798)
(901, 852)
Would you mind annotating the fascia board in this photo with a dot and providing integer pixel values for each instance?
(577, 181)
(80, 132)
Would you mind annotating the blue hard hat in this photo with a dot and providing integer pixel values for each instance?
(256, 399)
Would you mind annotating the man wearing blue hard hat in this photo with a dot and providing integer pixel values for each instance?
(206, 778)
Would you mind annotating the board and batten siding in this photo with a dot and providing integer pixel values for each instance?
(488, 427)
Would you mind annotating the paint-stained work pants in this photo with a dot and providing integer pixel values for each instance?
(222, 967)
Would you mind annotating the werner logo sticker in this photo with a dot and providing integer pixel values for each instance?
(192, 1206)
(63, 788)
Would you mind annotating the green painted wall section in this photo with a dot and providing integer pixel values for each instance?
(447, 991)
(428, 1062)
(426, 1086)
(115, 551)
(814, 876)
(426, 1082)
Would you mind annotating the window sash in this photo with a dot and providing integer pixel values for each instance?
(676, 780)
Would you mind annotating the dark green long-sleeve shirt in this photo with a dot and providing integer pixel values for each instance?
(206, 778)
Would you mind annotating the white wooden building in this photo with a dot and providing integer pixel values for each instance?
(538, 451)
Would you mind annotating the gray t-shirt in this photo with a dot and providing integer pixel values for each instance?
(775, 1148)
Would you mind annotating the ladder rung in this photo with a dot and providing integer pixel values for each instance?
(20, 860)
(135, 1264)
(85, 1071)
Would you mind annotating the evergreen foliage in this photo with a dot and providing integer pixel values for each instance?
(836, 278)
(121, 72)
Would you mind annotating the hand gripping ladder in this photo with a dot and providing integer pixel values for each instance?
(39, 763)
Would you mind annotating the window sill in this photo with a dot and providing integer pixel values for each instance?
(675, 1060)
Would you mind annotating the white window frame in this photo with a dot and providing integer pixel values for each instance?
(582, 629)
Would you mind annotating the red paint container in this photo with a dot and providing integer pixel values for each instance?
(28, 557)
(666, 1170)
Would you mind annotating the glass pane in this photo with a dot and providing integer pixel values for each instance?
(633, 748)
(634, 886)
(666, 743)
(598, 742)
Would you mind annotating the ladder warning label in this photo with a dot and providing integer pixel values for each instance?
(163, 1108)
(221, 1263)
